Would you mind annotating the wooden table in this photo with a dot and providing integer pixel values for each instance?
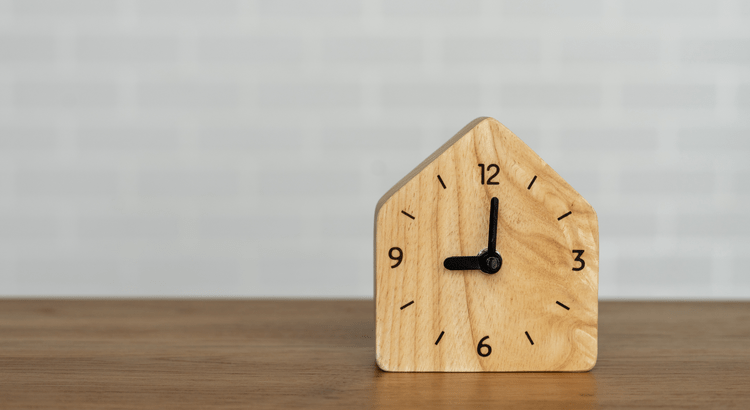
(245, 354)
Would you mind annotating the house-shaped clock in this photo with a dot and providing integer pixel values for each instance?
(485, 260)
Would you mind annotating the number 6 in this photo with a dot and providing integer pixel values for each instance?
(481, 345)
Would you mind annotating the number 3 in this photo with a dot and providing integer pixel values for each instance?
(578, 259)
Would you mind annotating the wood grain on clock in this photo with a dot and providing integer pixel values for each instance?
(536, 314)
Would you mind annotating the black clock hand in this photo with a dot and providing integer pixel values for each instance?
(462, 263)
(492, 241)
(490, 261)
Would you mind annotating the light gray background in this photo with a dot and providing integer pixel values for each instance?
(238, 148)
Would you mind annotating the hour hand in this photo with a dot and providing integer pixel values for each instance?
(462, 263)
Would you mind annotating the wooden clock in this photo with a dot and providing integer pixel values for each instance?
(485, 260)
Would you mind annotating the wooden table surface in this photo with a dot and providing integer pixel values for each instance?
(144, 354)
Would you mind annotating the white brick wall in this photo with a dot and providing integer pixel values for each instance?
(238, 148)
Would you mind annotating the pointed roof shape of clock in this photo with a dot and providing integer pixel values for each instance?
(485, 260)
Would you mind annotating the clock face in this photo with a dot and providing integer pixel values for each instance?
(446, 301)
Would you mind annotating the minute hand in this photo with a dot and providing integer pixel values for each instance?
(492, 241)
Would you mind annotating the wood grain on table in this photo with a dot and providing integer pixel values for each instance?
(144, 354)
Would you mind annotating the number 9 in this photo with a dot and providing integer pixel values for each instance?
(398, 258)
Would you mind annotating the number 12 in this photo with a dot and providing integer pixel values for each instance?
(490, 179)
